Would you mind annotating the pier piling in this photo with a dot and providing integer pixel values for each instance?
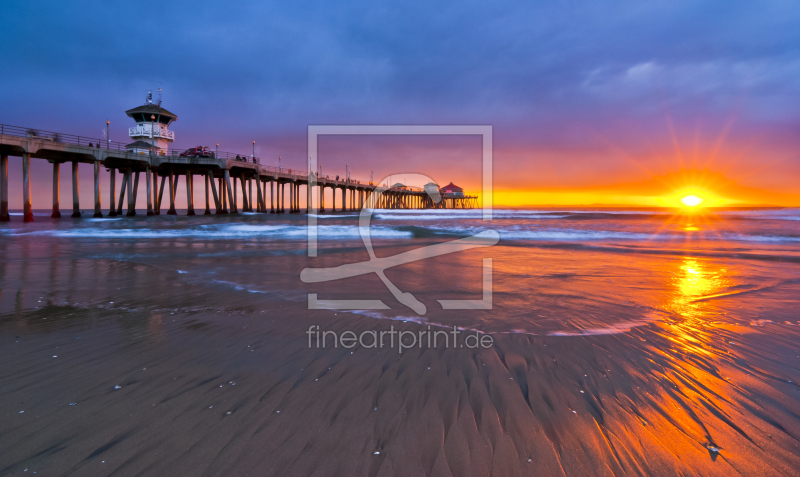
(173, 184)
(4, 217)
(27, 209)
(231, 191)
(56, 192)
(245, 201)
(260, 198)
(149, 190)
(217, 205)
(122, 188)
(98, 212)
(189, 193)
(271, 197)
(160, 194)
(250, 194)
(76, 206)
(112, 192)
(131, 192)
(208, 205)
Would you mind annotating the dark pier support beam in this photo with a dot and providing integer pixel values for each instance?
(231, 190)
(271, 197)
(189, 193)
(112, 192)
(76, 206)
(223, 196)
(250, 198)
(27, 209)
(217, 204)
(264, 184)
(98, 212)
(291, 198)
(173, 184)
(160, 195)
(223, 190)
(154, 198)
(4, 217)
(260, 198)
(250, 194)
(243, 186)
(245, 202)
(56, 191)
(309, 197)
(282, 198)
(235, 199)
(278, 189)
(208, 202)
(132, 190)
(122, 188)
(149, 188)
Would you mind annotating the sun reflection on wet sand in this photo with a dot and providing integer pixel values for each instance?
(694, 279)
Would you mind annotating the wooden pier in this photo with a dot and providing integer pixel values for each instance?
(224, 176)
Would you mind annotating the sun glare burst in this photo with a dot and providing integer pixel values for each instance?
(691, 201)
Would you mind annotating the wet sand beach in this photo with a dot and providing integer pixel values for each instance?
(128, 353)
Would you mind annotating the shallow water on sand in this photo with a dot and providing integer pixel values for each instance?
(626, 342)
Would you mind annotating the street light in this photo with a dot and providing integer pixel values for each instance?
(216, 151)
(280, 169)
(108, 140)
(254, 152)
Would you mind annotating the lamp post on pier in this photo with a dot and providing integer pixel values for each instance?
(108, 139)
(254, 152)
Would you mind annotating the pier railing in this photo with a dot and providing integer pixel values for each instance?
(60, 137)
(83, 141)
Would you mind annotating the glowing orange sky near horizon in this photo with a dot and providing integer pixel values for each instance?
(601, 175)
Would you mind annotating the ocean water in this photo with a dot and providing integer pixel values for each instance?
(553, 272)
(625, 342)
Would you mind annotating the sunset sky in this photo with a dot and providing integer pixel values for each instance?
(621, 102)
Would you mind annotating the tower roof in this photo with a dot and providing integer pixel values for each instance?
(151, 109)
(452, 187)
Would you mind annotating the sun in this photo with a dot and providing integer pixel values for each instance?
(691, 201)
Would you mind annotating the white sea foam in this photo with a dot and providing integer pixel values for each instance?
(231, 231)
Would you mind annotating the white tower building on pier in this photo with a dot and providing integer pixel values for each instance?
(151, 132)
